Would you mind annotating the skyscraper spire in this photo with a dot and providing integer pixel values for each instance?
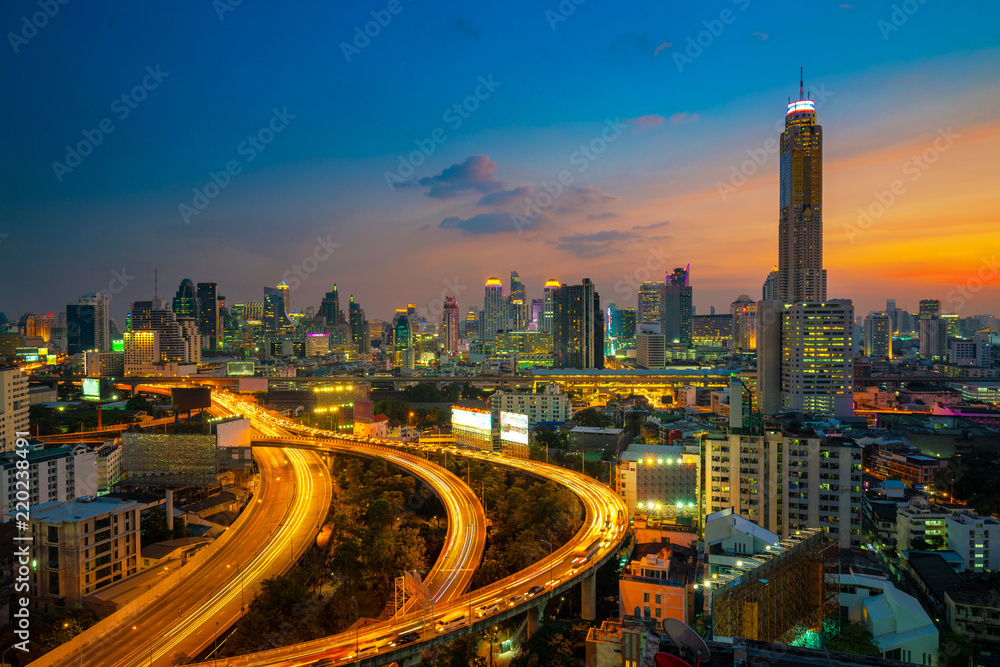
(802, 93)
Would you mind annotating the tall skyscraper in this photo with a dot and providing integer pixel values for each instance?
(801, 276)
(770, 288)
(537, 314)
(744, 331)
(449, 325)
(174, 340)
(517, 304)
(402, 330)
(878, 336)
(620, 329)
(676, 308)
(359, 327)
(209, 323)
(87, 324)
(186, 300)
(805, 357)
(578, 326)
(648, 307)
(548, 293)
(933, 332)
(494, 310)
(330, 307)
(14, 404)
(286, 296)
(517, 290)
(929, 309)
(274, 316)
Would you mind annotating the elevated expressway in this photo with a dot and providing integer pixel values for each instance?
(597, 541)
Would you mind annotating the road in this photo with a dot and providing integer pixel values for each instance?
(273, 531)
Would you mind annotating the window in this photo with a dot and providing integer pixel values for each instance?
(659, 599)
(645, 597)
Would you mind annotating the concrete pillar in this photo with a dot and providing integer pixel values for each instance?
(588, 594)
(534, 619)
(170, 509)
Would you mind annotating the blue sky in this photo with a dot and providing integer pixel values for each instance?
(345, 124)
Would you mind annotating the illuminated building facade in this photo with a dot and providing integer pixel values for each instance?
(578, 327)
(659, 480)
(878, 336)
(676, 308)
(402, 336)
(358, 326)
(185, 302)
(14, 404)
(449, 326)
(744, 324)
(209, 321)
(621, 329)
(494, 317)
(648, 306)
(548, 304)
(801, 276)
(142, 349)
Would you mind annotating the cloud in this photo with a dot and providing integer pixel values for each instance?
(844, 5)
(650, 120)
(505, 197)
(655, 225)
(683, 118)
(607, 215)
(425, 227)
(476, 174)
(596, 244)
(762, 35)
(463, 27)
(664, 45)
(484, 223)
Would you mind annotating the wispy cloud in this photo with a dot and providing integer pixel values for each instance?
(596, 244)
(683, 118)
(505, 197)
(763, 35)
(655, 225)
(664, 45)
(475, 174)
(650, 120)
(607, 215)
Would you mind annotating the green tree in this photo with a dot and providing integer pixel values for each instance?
(139, 402)
(855, 638)
(395, 409)
(380, 513)
(591, 417)
(43, 420)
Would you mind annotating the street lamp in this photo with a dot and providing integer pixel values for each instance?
(136, 627)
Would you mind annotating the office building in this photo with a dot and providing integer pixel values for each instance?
(801, 276)
(286, 296)
(548, 304)
(104, 364)
(769, 291)
(933, 333)
(176, 341)
(81, 546)
(930, 309)
(659, 480)
(185, 302)
(549, 407)
(275, 314)
(788, 481)
(517, 304)
(358, 326)
(209, 323)
(39, 327)
(450, 326)
(621, 329)
(971, 536)
(878, 336)
(744, 323)
(975, 351)
(648, 305)
(676, 308)
(578, 327)
(55, 474)
(805, 358)
(712, 331)
(142, 350)
(87, 324)
(494, 317)
(14, 404)
(329, 307)
(402, 336)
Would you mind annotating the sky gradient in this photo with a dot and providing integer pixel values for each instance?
(648, 134)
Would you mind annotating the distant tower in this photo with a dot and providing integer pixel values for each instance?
(770, 289)
(209, 324)
(675, 308)
(449, 325)
(801, 276)
(286, 296)
(547, 304)
(578, 327)
(186, 300)
(494, 310)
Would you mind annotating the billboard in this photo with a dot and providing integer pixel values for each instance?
(173, 459)
(471, 419)
(190, 398)
(514, 427)
(240, 368)
(91, 389)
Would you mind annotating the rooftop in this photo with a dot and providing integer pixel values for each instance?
(80, 508)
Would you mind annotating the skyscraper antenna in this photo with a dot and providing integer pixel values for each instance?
(801, 86)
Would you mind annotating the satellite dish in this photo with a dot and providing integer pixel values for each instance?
(687, 639)
(668, 660)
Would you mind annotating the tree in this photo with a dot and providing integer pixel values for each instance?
(380, 513)
(139, 402)
(590, 417)
(855, 638)
(43, 419)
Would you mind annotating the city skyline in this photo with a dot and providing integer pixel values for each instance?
(669, 171)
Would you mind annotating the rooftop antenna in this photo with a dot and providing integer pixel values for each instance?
(801, 86)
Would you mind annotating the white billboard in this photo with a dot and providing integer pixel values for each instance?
(479, 421)
(91, 389)
(514, 427)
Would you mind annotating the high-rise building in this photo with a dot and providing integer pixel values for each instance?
(744, 312)
(929, 309)
(648, 306)
(186, 300)
(548, 305)
(14, 405)
(449, 326)
(650, 351)
(801, 276)
(933, 337)
(537, 314)
(620, 329)
(358, 326)
(142, 349)
(470, 326)
(769, 291)
(805, 357)
(39, 326)
(174, 341)
(494, 310)
(578, 327)
(274, 315)
(87, 324)
(676, 308)
(209, 323)
(517, 290)
(286, 296)
(330, 306)
(878, 336)
(402, 336)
